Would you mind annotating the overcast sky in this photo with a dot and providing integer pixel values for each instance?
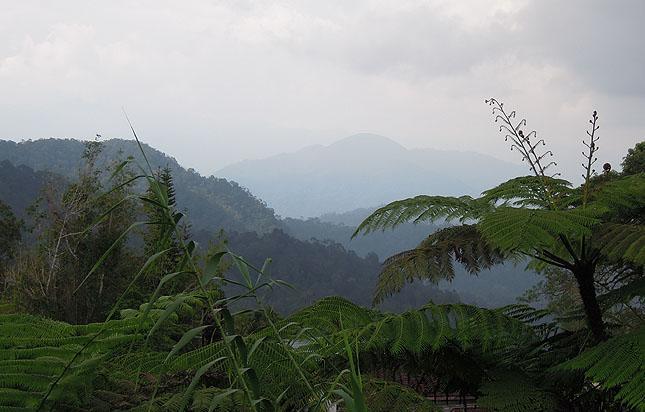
(214, 82)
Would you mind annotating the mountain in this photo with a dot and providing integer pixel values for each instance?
(316, 268)
(363, 170)
(21, 185)
(211, 202)
(316, 255)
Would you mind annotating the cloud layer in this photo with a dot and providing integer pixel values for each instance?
(213, 82)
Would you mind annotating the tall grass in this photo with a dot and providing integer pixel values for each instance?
(243, 379)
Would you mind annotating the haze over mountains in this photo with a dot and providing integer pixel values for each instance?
(317, 255)
(363, 170)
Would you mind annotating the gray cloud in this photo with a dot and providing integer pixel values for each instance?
(213, 82)
(601, 41)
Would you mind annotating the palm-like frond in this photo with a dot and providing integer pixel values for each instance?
(621, 197)
(35, 352)
(422, 209)
(513, 391)
(622, 242)
(529, 191)
(617, 363)
(429, 327)
(525, 230)
(434, 259)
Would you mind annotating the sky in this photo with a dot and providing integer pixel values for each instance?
(215, 82)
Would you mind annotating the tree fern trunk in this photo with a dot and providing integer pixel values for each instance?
(585, 279)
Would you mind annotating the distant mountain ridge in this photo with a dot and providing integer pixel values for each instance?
(20, 185)
(314, 268)
(363, 170)
(214, 203)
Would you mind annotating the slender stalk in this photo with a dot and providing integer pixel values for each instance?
(590, 156)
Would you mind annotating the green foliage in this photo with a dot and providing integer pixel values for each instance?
(72, 231)
(623, 242)
(10, 228)
(618, 363)
(634, 162)
(383, 396)
(429, 327)
(433, 259)
(513, 391)
(37, 353)
(620, 199)
(528, 191)
(525, 230)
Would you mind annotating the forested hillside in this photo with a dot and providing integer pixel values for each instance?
(211, 202)
(20, 185)
(316, 268)
(319, 268)
(501, 285)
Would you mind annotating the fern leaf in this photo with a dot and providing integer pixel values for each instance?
(623, 242)
(524, 230)
(433, 259)
(617, 363)
(529, 191)
(514, 392)
(422, 209)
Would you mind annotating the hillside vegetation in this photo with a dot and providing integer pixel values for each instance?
(211, 202)
(112, 304)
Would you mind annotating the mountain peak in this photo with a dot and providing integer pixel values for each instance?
(367, 140)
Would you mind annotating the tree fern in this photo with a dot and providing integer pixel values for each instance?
(539, 216)
(423, 208)
(528, 191)
(623, 242)
(434, 259)
(618, 363)
(512, 391)
(34, 352)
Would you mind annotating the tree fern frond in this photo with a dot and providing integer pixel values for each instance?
(431, 326)
(421, 209)
(34, 352)
(623, 294)
(525, 230)
(511, 391)
(623, 242)
(433, 259)
(622, 196)
(529, 191)
(617, 363)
